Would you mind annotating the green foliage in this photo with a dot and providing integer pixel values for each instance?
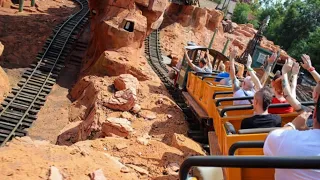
(241, 13)
(294, 25)
(310, 46)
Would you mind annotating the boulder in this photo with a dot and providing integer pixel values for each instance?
(55, 174)
(126, 81)
(97, 175)
(117, 126)
(148, 114)
(138, 169)
(144, 140)
(123, 100)
(186, 145)
(112, 63)
(127, 115)
(173, 169)
(136, 108)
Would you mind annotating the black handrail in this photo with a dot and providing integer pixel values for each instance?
(244, 144)
(219, 100)
(247, 107)
(309, 162)
(221, 92)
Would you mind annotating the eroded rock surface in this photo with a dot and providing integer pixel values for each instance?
(118, 27)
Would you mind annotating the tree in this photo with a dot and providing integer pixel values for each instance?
(310, 46)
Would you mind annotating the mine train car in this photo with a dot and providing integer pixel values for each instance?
(213, 118)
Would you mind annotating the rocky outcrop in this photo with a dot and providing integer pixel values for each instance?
(5, 4)
(195, 16)
(97, 175)
(113, 63)
(117, 126)
(123, 100)
(126, 81)
(118, 26)
(4, 80)
(187, 145)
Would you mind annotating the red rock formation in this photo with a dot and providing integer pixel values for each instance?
(195, 16)
(5, 3)
(120, 26)
(4, 80)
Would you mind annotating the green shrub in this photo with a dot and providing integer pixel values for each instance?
(240, 13)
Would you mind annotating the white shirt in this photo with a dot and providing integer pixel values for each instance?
(240, 93)
(282, 142)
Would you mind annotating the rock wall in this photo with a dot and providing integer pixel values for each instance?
(120, 26)
(5, 3)
(195, 16)
(4, 81)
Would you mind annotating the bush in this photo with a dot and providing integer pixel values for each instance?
(240, 13)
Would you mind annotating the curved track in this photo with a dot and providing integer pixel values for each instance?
(154, 57)
(19, 109)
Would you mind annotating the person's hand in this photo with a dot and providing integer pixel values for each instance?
(233, 52)
(272, 59)
(287, 66)
(295, 68)
(306, 62)
(249, 61)
(300, 121)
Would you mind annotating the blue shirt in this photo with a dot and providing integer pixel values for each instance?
(221, 76)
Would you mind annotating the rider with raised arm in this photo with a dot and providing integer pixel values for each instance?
(295, 138)
(204, 63)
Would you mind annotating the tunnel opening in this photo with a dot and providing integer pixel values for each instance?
(129, 26)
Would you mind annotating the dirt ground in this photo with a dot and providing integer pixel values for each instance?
(24, 33)
(117, 157)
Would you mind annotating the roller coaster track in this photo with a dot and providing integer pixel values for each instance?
(20, 109)
(154, 57)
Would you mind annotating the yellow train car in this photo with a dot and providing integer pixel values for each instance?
(212, 107)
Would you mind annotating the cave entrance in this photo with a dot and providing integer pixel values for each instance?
(129, 26)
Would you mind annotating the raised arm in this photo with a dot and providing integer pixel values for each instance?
(286, 87)
(267, 70)
(294, 74)
(233, 54)
(253, 75)
(234, 80)
(189, 60)
(308, 66)
(208, 60)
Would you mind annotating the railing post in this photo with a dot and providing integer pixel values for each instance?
(21, 5)
(212, 39)
(225, 46)
(32, 3)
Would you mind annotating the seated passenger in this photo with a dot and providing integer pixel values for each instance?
(261, 119)
(295, 139)
(223, 74)
(277, 89)
(204, 63)
(246, 88)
